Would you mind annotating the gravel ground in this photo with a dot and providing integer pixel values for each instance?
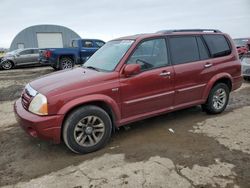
(187, 148)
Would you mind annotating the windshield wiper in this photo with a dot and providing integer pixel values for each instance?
(93, 68)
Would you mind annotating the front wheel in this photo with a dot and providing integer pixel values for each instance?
(217, 99)
(7, 65)
(87, 129)
(66, 63)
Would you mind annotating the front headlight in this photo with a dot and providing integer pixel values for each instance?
(39, 105)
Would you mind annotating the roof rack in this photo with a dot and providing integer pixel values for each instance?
(189, 30)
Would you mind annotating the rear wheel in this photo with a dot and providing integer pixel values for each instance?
(87, 129)
(247, 78)
(7, 65)
(217, 99)
(54, 67)
(66, 63)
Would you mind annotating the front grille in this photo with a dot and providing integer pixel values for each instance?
(26, 99)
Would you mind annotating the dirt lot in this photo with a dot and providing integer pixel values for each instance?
(199, 151)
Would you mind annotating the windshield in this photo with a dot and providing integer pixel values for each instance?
(109, 55)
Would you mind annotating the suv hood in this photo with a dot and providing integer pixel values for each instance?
(67, 80)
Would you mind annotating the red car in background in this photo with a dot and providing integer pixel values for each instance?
(243, 46)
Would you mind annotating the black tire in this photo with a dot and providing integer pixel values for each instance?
(66, 63)
(76, 137)
(7, 65)
(54, 67)
(210, 106)
(247, 78)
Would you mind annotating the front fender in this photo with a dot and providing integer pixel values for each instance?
(92, 98)
(212, 81)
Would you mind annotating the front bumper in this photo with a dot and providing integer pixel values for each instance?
(43, 127)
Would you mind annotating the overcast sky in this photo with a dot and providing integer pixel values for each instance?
(107, 19)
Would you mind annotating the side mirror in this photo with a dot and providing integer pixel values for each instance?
(131, 69)
(17, 55)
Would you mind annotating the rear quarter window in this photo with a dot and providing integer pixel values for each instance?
(218, 45)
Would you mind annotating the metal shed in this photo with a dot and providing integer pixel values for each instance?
(44, 36)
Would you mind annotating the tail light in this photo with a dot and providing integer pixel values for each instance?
(47, 54)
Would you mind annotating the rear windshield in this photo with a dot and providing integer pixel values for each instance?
(218, 45)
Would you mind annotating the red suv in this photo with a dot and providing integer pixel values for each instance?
(130, 79)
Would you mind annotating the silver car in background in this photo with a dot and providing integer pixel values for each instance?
(20, 57)
(245, 62)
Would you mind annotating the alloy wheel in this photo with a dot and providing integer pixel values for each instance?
(7, 65)
(89, 131)
(219, 99)
(67, 64)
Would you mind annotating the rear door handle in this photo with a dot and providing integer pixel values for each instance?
(207, 65)
(165, 74)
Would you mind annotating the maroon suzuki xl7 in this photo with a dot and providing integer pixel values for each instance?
(130, 79)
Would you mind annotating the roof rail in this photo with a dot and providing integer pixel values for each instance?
(189, 30)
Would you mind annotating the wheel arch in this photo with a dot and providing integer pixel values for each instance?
(221, 78)
(71, 56)
(107, 104)
(60, 56)
(12, 62)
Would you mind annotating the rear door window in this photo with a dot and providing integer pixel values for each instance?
(26, 52)
(202, 49)
(99, 43)
(88, 44)
(35, 51)
(218, 45)
(183, 49)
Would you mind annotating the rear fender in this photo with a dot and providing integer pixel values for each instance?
(212, 81)
(59, 56)
(72, 56)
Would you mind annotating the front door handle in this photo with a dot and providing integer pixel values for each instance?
(165, 74)
(208, 65)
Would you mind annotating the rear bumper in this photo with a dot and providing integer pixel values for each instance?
(246, 69)
(237, 82)
(43, 127)
(47, 61)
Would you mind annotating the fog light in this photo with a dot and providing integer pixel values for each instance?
(32, 132)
